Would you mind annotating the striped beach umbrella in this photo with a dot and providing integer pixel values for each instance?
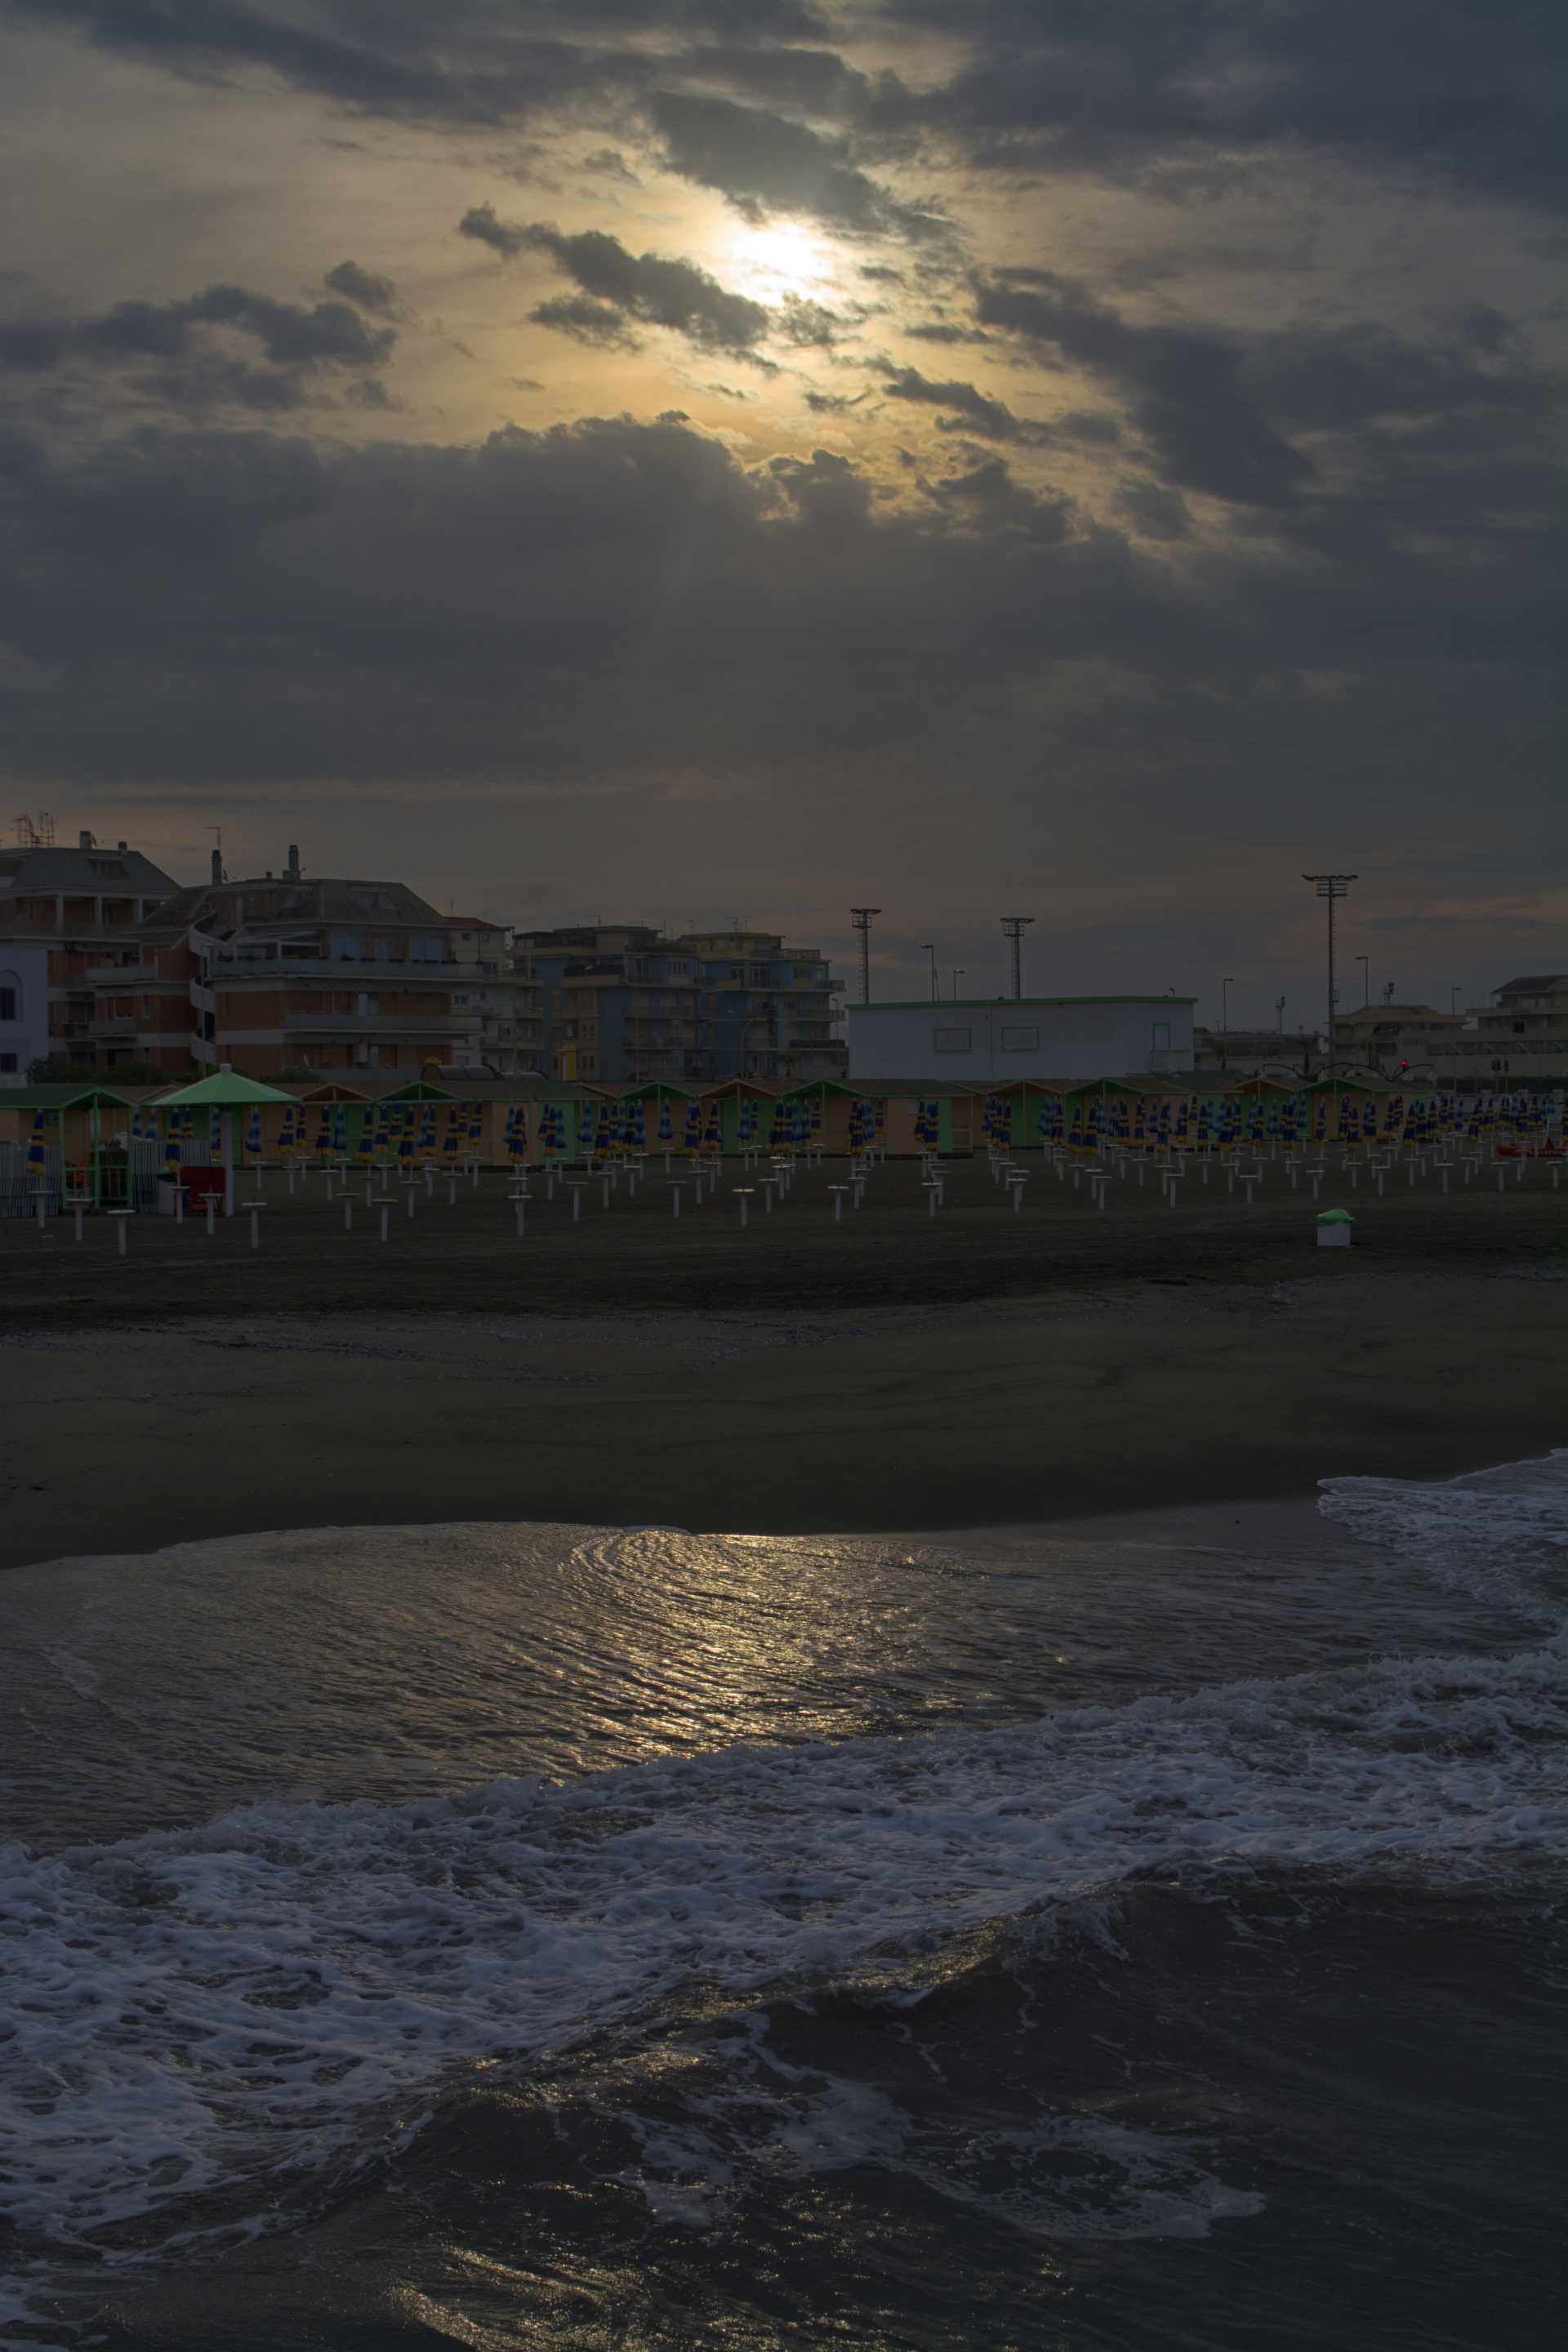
(252, 1132)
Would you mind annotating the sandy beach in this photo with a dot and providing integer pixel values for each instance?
(1113, 1398)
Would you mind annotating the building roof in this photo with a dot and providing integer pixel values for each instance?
(989, 1003)
(24, 870)
(1534, 983)
(65, 1096)
(310, 899)
(225, 1086)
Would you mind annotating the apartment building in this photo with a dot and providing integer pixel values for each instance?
(623, 1003)
(70, 922)
(510, 1040)
(617, 1002)
(1520, 1037)
(320, 977)
(768, 1007)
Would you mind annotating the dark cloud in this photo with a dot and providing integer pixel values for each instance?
(645, 287)
(170, 347)
(943, 331)
(600, 638)
(609, 163)
(1154, 511)
(1138, 85)
(969, 409)
(376, 295)
(1185, 384)
(586, 321)
(990, 497)
(1191, 92)
(764, 162)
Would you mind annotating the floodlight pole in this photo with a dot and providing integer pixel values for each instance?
(862, 920)
(1225, 1019)
(1331, 887)
(1015, 925)
(928, 947)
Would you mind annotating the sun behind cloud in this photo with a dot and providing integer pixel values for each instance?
(775, 260)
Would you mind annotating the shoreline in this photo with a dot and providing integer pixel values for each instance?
(1027, 1412)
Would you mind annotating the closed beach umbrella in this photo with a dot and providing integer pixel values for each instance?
(36, 1144)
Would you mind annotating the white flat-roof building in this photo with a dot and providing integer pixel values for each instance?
(984, 1038)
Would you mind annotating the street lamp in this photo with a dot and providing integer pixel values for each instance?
(1015, 926)
(1453, 999)
(928, 947)
(1365, 983)
(862, 920)
(958, 972)
(1331, 888)
(1225, 1015)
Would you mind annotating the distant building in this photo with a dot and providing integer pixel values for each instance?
(327, 976)
(1520, 1038)
(510, 1040)
(1524, 1033)
(1021, 1037)
(81, 909)
(1254, 1053)
(23, 1010)
(624, 1003)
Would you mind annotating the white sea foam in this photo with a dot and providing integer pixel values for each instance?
(197, 2008)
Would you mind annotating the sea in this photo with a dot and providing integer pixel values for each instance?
(507, 1936)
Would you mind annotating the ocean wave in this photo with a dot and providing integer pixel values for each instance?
(291, 1981)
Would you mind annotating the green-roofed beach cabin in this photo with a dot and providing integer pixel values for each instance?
(227, 1093)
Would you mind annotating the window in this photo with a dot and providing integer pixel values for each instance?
(8, 1062)
(1020, 1041)
(9, 1001)
(1162, 1036)
(952, 1041)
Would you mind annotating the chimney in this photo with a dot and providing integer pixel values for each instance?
(218, 865)
(85, 841)
(292, 871)
(119, 844)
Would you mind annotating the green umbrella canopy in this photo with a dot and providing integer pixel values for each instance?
(223, 1089)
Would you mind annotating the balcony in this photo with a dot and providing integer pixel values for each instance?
(121, 975)
(381, 1024)
(266, 972)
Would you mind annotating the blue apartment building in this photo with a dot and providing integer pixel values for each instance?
(624, 1003)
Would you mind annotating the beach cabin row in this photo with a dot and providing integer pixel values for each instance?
(112, 1146)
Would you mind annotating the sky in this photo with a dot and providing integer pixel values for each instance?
(680, 461)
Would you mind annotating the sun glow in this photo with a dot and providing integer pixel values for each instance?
(775, 261)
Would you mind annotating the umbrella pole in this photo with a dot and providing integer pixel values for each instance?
(228, 1120)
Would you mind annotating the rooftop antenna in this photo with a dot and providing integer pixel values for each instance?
(1015, 926)
(862, 920)
(216, 832)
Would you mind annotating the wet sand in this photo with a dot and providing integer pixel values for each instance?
(1119, 1398)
